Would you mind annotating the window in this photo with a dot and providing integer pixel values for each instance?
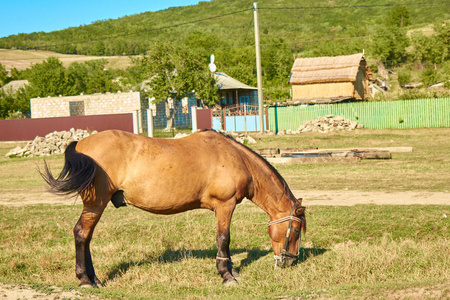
(76, 108)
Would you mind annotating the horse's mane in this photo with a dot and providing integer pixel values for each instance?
(237, 144)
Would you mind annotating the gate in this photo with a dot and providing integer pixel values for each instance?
(236, 118)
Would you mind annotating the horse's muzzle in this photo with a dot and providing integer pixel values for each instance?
(285, 259)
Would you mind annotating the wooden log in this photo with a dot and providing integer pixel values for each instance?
(380, 154)
(268, 151)
(308, 160)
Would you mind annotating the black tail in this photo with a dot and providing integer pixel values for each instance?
(77, 176)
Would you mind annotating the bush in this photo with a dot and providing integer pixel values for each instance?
(404, 78)
(429, 76)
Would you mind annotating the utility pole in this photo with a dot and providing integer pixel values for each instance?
(258, 69)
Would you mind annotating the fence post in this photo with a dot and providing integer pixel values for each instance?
(135, 122)
(245, 119)
(150, 122)
(194, 118)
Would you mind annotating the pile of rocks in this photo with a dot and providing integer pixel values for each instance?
(239, 137)
(53, 143)
(325, 124)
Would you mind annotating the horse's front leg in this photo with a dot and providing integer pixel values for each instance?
(83, 231)
(223, 259)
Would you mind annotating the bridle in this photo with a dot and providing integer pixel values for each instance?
(284, 253)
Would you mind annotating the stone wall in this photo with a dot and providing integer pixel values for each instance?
(87, 105)
(96, 104)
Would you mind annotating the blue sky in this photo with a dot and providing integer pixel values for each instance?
(26, 16)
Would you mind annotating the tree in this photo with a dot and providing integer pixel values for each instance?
(14, 103)
(399, 16)
(47, 78)
(433, 49)
(389, 45)
(3, 75)
(176, 73)
(208, 90)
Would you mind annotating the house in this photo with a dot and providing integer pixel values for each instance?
(233, 92)
(89, 105)
(329, 79)
(15, 85)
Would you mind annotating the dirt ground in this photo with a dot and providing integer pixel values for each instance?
(335, 198)
(310, 198)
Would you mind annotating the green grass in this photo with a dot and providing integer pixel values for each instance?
(363, 251)
(348, 251)
(424, 169)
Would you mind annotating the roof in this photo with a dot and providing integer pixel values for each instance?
(226, 82)
(325, 69)
(15, 85)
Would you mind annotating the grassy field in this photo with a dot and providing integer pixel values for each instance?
(424, 169)
(363, 251)
(23, 59)
(369, 251)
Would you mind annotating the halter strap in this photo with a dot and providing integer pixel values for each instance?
(284, 220)
(284, 252)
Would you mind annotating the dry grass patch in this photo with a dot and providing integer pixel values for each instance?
(347, 252)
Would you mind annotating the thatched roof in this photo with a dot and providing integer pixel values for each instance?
(325, 69)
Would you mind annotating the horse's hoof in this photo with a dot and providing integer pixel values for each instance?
(229, 283)
(86, 285)
(236, 275)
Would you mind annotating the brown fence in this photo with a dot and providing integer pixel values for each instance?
(28, 129)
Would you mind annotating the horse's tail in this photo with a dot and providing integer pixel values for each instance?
(77, 176)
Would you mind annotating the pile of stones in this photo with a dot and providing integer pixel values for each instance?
(325, 124)
(53, 143)
(239, 137)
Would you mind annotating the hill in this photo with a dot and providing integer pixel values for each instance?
(299, 24)
(23, 59)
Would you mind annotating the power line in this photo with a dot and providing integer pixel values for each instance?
(232, 13)
(240, 11)
(267, 44)
(142, 31)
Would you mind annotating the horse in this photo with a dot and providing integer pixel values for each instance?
(205, 170)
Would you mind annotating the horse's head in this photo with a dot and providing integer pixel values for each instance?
(285, 234)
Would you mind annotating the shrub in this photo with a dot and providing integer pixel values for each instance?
(429, 76)
(403, 78)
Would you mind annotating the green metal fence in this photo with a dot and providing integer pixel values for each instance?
(419, 113)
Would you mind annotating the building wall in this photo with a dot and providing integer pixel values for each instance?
(88, 105)
(96, 104)
(230, 97)
(322, 90)
(361, 84)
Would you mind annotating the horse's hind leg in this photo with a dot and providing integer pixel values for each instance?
(223, 260)
(83, 231)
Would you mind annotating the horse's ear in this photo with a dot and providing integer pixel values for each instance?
(299, 210)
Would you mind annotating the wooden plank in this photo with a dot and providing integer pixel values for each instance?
(308, 160)
(390, 149)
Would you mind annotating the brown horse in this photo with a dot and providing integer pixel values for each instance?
(165, 176)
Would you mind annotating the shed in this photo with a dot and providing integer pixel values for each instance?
(340, 77)
(234, 92)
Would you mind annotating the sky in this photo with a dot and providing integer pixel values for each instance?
(27, 16)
